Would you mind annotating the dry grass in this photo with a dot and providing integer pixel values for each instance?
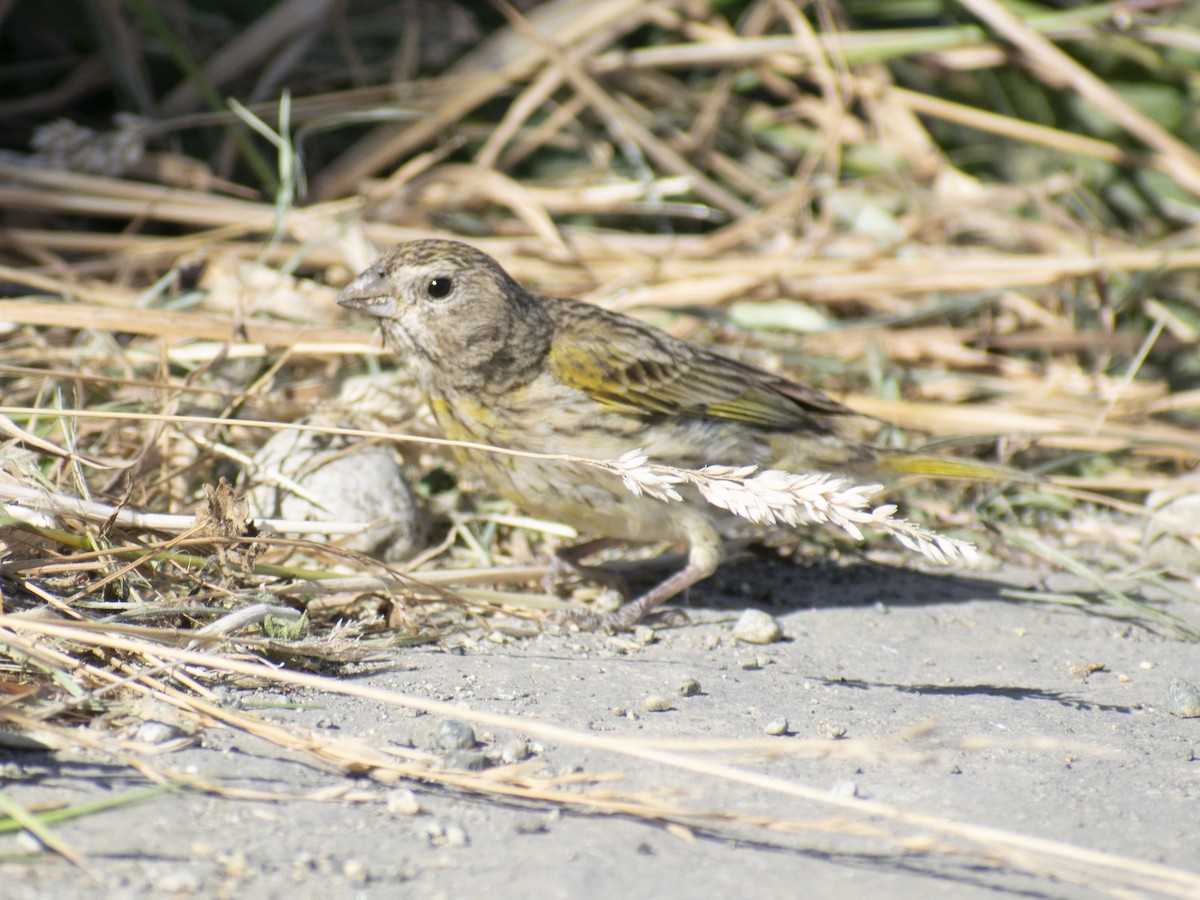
(791, 186)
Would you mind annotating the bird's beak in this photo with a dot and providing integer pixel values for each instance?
(369, 293)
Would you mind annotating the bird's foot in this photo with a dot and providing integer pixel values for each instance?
(569, 562)
(624, 619)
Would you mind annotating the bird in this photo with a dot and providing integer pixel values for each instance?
(501, 365)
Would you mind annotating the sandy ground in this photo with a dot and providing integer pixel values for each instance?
(869, 652)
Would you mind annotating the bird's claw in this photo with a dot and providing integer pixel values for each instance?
(624, 619)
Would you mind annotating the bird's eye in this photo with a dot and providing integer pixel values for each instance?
(439, 288)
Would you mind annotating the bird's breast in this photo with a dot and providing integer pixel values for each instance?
(585, 497)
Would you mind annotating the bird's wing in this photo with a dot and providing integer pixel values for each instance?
(627, 367)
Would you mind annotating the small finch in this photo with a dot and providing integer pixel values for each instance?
(503, 366)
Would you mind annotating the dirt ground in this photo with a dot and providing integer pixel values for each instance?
(1047, 721)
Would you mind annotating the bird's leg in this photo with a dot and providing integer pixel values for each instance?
(705, 552)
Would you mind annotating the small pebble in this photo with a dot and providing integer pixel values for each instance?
(644, 634)
(656, 704)
(514, 751)
(1183, 699)
(178, 882)
(753, 663)
(28, 842)
(844, 788)
(689, 687)
(531, 825)
(440, 835)
(756, 627)
(777, 726)
(467, 760)
(455, 735)
(403, 802)
(153, 732)
(354, 871)
(831, 732)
